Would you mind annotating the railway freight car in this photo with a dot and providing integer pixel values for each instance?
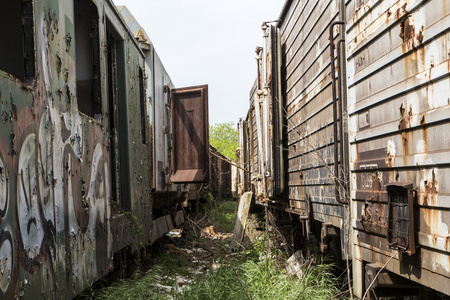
(362, 88)
(220, 170)
(177, 158)
(220, 183)
(78, 95)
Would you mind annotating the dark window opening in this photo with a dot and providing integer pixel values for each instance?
(17, 39)
(143, 107)
(401, 217)
(87, 51)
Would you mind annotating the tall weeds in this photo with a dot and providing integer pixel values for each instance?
(264, 280)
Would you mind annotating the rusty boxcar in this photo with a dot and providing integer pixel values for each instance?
(363, 90)
(219, 175)
(79, 93)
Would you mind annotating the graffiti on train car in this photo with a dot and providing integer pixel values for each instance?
(54, 176)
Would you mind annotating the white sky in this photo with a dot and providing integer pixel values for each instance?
(208, 42)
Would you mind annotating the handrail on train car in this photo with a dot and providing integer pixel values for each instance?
(337, 174)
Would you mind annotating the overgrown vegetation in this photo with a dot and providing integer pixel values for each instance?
(209, 270)
(152, 284)
(223, 217)
(264, 279)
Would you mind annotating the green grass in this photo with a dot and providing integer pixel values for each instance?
(146, 285)
(141, 286)
(263, 280)
(225, 215)
(258, 273)
(259, 280)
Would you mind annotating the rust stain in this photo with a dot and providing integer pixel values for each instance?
(403, 124)
(405, 119)
(407, 29)
(390, 154)
(422, 119)
(405, 142)
(430, 189)
(401, 11)
(428, 194)
(410, 39)
(140, 36)
(377, 181)
(372, 217)
(366, 217)
(374, 22)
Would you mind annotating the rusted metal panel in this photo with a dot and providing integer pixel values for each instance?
(220, 176)
(190, 139)
(398, 86)
(307, 94)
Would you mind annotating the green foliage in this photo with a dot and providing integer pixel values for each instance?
(224, 137)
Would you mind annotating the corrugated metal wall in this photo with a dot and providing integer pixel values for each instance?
(398, 78)
(396, 118)
(306, 76)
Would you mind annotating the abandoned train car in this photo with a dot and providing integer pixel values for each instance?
(357, 92)
(80, 94)
(220, 170)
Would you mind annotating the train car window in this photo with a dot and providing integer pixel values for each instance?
(17, 46)
(87, 51)
(143, 108)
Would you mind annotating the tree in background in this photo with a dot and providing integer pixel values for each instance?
(224, 137)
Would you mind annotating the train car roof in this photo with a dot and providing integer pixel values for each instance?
(139, 33)
(135, 28)
(119, 16)
(284, 11)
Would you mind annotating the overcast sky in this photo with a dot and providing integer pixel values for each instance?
(208, 42)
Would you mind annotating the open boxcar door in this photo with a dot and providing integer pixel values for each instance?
(190, 135)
